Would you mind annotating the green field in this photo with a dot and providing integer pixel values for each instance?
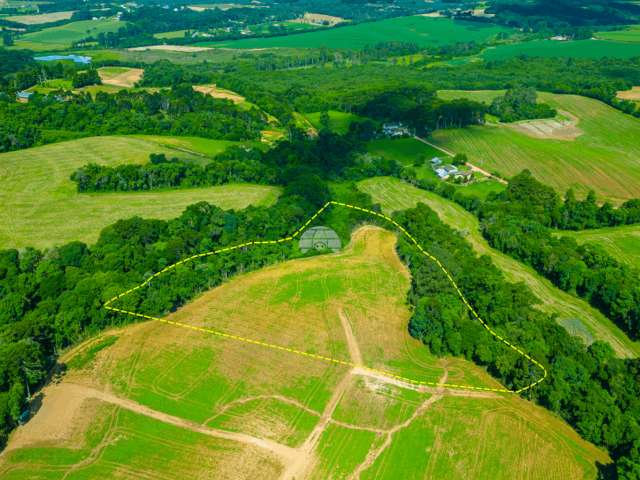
(630, 34)
(573, 313)
(338, 121)
(423, 31)
(622, 243)
(169, 35)
(162, 398)
(573, 48)
(39, 205)
(61, 37)
(604, 156)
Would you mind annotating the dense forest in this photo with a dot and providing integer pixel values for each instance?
(591, 389)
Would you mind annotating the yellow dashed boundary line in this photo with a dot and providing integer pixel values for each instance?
(323, 358)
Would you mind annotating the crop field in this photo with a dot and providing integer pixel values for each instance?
(423, 31)
(61, 37)
(338, 121)
(592, 146)
(572, 48)
(40, 207)
(120, 76)
(629, 34)
(176, 399)
(574, 314)
(622, 243)
(40, 19)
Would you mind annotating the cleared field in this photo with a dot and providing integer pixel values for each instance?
(40, 207)
(338, 121)
(40, 19)
(210, 406)
(423, 31)
(169, 48)
(629, 34)
(633, 94)
(577, 316)
(603, 156)
(217, 92)
(573, 48)
(623, 243)
(120, 76)
(60, 38)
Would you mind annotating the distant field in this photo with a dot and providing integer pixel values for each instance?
(605, 155)
(120, 76)
(39, 205)
(574, 314)
(169, 35)
(39, 19)
(407, 151)
(59, 38)
(629, 34)
(622, 243)
(338, 121)
(421, 30)
(208, 407)
(576, 49)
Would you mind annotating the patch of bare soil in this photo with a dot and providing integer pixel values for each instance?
(550, 128)
(633, 94)
(319, 19)
(126, 79)
(215, 92)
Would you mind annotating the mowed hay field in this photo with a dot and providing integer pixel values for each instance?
(622, 243)
(40, 19)
(151, 398)
(574, 314)
(61, 37)
(120, 76)
(40, 206)
(423, 31)
(604, 156)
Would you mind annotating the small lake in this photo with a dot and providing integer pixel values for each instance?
(73, 58)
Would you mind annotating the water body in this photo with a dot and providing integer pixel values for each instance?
(73, 58)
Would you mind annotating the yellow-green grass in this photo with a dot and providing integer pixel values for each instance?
(173, 34)
(338, 121)
(328, 419)
(604, 157)
(576, 315)
(107, 441)
(41, 18)
(408, 152)
(61, 37)
(629, 34)
(622, 243)
(40, 207)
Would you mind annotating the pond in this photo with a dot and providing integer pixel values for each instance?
(73, 58)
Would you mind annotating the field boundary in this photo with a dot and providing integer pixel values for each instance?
(107, 305)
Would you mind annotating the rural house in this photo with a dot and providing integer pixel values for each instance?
(395, 130)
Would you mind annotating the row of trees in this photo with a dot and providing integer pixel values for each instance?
(520, 103)
(238, 166)
(597, 393)
(179, 111)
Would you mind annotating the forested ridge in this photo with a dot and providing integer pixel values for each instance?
(179, 111)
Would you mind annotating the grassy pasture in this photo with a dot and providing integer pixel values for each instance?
(61, 37)
(408, 152)
(120, 76)
(573, 48)
(40, 206)
(41, 18)
(573, 313)
(603, 157)
(265, 411)
(338, 121)
(630, 34)
(416, 29)
(622, 243)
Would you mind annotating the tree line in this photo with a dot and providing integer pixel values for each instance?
(235, 165)
(595, 392)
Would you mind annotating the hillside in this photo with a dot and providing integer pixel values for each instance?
(576, 315)
(40, 207)
(591, 145)
(622, 243)
(149, 398)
